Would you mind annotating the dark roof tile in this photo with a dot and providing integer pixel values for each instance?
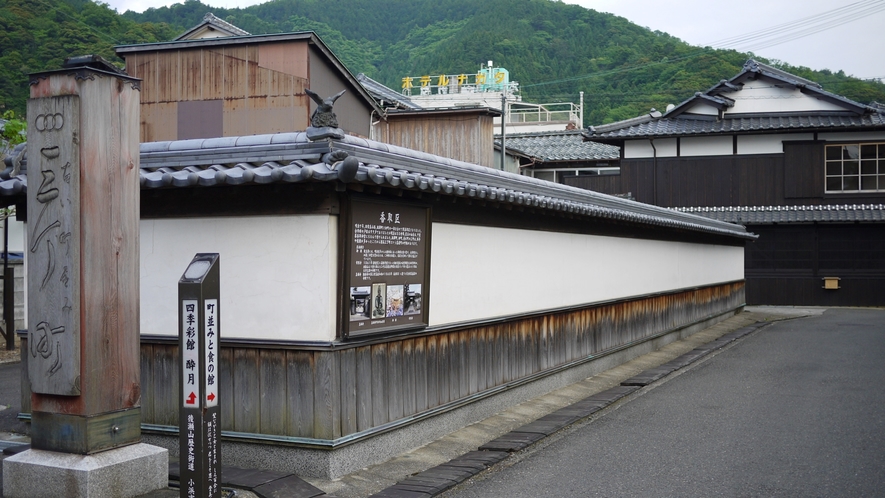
(769, 215)
(558, 146)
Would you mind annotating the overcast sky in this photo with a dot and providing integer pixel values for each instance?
(846, 35)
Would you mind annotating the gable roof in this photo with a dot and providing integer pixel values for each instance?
(309, 36)
(680, 121)
(557, 146)
(293, 158)
(212, 26)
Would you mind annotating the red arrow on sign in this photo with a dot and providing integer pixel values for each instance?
(192, 399)
(211, 397)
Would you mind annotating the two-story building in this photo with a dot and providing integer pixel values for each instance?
(800, 166)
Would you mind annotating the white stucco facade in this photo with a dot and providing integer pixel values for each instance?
(278, 274)
(483, 272)
(706, 146)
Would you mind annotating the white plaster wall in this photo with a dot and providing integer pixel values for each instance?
(706, 146)
(703, 109)
(481, 272)
(16, 234)
(278, 274)
(768, 144)
(634, 149)
(763, 96)
(666, 147)
(852, 137)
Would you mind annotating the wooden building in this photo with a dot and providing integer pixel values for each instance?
(459, 323)
(464, 133)
(800, 166)
(241, 85)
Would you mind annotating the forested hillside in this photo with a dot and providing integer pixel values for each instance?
(554, 50)
(37, 35)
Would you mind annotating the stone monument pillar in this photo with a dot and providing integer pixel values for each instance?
(82, 253)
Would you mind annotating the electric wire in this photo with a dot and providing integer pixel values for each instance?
(761, 39)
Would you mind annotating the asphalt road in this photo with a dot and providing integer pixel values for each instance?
(796, 409)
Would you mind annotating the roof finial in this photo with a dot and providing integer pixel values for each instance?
(323, 122)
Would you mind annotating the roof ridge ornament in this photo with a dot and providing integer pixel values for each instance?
(323, 121)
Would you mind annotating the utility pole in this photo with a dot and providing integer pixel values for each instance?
(503, 121)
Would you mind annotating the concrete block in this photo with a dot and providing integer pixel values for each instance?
(118, 473)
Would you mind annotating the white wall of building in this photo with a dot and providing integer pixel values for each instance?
(768, 144)
(636, 149)
(278, 274)
(16, 234)
(482, 272)
(706, 146)
(764, 97)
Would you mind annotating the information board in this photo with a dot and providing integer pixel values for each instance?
(388, 264)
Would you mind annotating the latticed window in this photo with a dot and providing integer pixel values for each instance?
(855, 167)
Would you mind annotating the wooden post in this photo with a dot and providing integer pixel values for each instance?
(83, 258)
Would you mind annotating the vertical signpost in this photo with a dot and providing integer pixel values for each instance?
(199, 334)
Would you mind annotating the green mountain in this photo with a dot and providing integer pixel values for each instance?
(37, 35)
(553, 49)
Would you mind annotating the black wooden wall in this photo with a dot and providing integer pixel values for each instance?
(795, 177)
(786, 266)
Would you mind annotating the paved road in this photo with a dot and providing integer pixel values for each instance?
(796, 409)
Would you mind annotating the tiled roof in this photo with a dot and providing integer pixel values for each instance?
(676, 122)
(682, 126)
(768, 215)
(292, 158)
(558, 146)
(218, 23)
(386, 94)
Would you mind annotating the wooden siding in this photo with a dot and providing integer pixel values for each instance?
(466, 137)
(339, 392)
(257, 98)
(795, 177)
(787, 264)
(804, 168)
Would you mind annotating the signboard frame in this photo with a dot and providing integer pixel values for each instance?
(386, 266)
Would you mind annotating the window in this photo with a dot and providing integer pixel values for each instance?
(855, 168)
